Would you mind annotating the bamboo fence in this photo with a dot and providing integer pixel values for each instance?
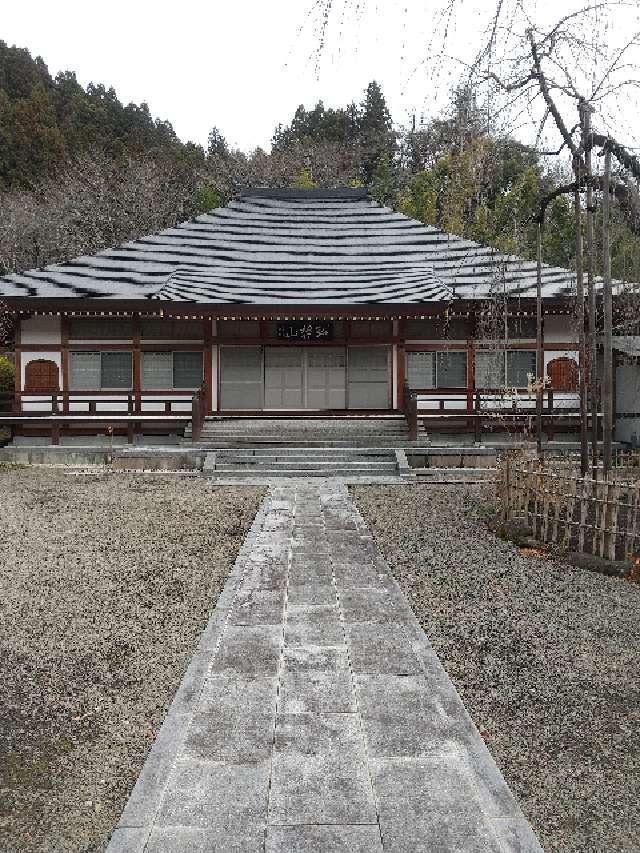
(598, 516)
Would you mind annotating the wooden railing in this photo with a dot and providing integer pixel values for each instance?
(480, 411)
(62, 401)
(411, 411)
(198, 412)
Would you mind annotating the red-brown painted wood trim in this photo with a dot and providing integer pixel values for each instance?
(137, 368)
(64, 359)
(521, 305)
(471, 372)
(208, 367)
(401, 373)
(18, 364)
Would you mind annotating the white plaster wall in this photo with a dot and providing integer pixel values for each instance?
(452, 402)
(40, 330)
(26, 357)
(178, 404)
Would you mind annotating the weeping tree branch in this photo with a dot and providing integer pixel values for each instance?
(624, 157)
(621, 192)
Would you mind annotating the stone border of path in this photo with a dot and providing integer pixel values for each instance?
(368, 746)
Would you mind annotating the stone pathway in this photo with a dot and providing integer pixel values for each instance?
(315, 716)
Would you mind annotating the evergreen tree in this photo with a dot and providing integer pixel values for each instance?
(216, 144)
(375, 131)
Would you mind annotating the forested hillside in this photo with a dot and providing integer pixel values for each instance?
(80, 171)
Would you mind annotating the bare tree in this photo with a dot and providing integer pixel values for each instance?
(556, 76)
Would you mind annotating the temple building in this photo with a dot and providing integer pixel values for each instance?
(288, 301)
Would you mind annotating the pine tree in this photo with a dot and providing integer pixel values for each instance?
(375, 131)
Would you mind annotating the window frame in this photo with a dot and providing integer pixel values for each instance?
(505, 356)
(101, 387)
(173, 386)
(438, 354)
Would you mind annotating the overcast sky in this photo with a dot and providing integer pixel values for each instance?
(244, 65)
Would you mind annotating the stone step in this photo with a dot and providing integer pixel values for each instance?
(217, 443)
(229, 433)
(308, 466)
(315, 454)
(292, 472)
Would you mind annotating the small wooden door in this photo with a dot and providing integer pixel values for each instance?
(563, 373)
(41, 377)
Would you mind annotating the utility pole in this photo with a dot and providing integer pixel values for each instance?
(585, 111)
(607, 377)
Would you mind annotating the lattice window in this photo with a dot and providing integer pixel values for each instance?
(97, 371)
(171, 370)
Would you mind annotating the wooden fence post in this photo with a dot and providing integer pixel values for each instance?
(196, 417)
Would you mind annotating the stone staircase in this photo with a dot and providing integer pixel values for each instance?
(380, 431)
(267, 462)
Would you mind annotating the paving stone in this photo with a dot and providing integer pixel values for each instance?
(411, 790)
(179, 839)
(316, 679)
(216, 796)
(234, 722)
(258, 607)
(324, 839)
(373, 605)
(311, 657)
(311, 572)
(401, 717)
(439, 833)
(310, 593)
(266, 574)
(309, 549)
(319, 771)
(356, 575)
(252, 650)
(381, 649)
(317, 624)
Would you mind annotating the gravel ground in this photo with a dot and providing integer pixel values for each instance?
(545, 656)
(106, 582)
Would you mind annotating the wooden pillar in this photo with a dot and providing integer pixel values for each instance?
(470, 374)
(17, 401)
(401, 364)
(209, 378)
(64, 360)
(137, 367)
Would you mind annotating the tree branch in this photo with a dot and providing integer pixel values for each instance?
(624, 157)
(542, 82)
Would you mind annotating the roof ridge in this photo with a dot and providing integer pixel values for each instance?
(294, 193)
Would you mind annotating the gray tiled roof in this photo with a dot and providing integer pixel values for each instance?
(275, 247)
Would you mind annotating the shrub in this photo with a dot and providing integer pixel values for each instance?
(7, 375)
